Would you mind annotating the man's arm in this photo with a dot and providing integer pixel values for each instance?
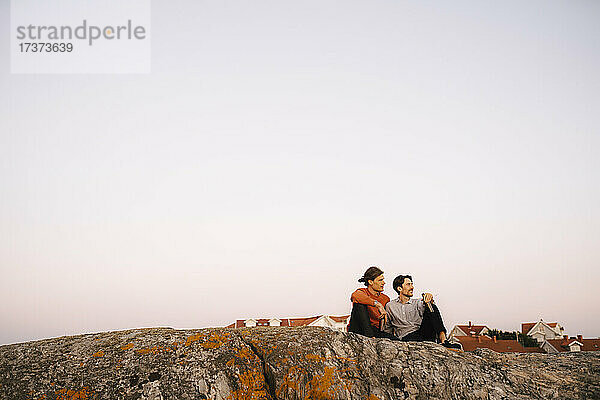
(362, 298)
(388, 326)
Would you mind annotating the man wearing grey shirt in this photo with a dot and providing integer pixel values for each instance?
(414, 319)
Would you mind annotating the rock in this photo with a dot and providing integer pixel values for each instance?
(281, 363)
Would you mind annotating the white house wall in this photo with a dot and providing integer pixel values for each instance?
(456, 331)
(542, 332)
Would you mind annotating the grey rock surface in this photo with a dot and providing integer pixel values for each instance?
(281, 363)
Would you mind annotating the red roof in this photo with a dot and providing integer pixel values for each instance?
(472, 330)
(563, 344)
(340, 319)
(526, 326)
(302, 321)
(471, 343)
(240, 323)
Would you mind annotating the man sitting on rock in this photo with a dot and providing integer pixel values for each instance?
(414, 320)
(368, 306)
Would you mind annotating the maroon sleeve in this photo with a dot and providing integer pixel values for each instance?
(361, 297)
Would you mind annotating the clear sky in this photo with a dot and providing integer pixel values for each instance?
(279, 148)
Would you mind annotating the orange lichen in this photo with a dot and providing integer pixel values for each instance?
(245, 353)
(322, 386)
(127, 346)
(214, 341)
(290, 381)
(81, 394)
(211, 345)
(251, 386)
(193, 338)
(153, 350)
(314, 357)
(98, 354)
(372, 397)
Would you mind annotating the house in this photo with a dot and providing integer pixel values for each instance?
(542, 330)
(468, 330)
(470, 343)
(326, 321)
(565, 344)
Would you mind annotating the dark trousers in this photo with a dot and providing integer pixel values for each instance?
(360, 323)
(430, 328)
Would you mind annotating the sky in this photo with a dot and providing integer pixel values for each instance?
(279, 148)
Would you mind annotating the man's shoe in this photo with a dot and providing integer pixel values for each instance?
(452, 346)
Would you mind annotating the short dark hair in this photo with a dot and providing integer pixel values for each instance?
(399, 281)
(370, 274)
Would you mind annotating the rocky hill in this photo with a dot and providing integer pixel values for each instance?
(281, 363)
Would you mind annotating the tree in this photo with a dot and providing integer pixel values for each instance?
(528, 341)
(502, 335)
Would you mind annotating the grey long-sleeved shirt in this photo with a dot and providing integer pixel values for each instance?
(403, 319)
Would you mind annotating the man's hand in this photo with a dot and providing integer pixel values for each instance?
(427, 297)
(382, 311)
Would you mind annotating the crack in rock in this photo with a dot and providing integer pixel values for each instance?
(267, 374)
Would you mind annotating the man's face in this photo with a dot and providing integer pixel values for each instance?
(407, 288)
(378, 284)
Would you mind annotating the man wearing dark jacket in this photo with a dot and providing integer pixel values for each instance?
(368, 306)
